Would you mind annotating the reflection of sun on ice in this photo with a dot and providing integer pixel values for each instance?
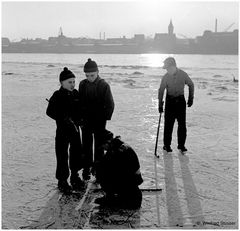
(153, 60)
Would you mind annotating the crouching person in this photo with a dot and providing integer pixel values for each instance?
(62, 108)
(119, 174)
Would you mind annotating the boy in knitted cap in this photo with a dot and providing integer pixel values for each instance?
(97, 105)
(63, 108)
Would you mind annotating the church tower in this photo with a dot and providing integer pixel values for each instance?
(60, 33)
(170, 28)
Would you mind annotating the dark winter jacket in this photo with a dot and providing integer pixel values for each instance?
(120, 167)
(63, 107)
(96, 101)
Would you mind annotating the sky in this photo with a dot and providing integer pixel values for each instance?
(42, 19)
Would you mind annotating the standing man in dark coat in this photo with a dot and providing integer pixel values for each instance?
(175, 108)
(97, 105)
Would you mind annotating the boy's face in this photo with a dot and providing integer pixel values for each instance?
(91, 76)
(68, 84)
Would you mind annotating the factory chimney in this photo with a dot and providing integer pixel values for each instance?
(215, 25)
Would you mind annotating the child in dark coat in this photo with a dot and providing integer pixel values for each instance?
(97, 106)
(119, 174)
(63, 108)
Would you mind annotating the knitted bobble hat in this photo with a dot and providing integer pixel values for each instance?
(66, 74)
(90, 66)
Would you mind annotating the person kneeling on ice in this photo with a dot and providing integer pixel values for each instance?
(62, 108)
(119, 174)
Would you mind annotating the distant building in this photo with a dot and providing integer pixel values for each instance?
(165, 42)
(5, 42)
(209, 43)
(122, 40)
(218, 42)
(139, 38)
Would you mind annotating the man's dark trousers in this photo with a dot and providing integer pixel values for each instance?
(175, 108)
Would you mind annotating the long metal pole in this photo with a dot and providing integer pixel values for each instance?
(155, 170)
(157, 197)
(159, 122)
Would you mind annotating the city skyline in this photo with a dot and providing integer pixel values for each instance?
(115, 19)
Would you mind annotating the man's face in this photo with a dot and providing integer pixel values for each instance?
(171, 70)
(68, 84)
(91, 76)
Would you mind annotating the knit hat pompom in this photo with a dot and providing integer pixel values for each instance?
(90, 66)
(66, 74)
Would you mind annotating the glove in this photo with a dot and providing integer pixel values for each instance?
(190, 102)
(160, 107)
